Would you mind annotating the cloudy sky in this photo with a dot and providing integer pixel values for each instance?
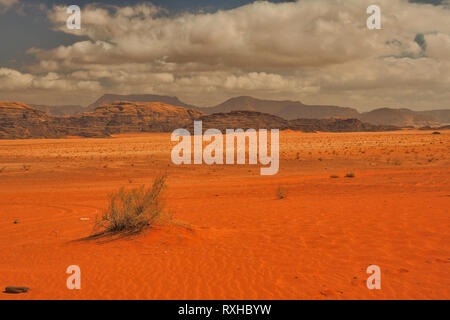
(206, 51)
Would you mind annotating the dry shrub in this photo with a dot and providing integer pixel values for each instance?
(281, 193)
(131, 211)
(350, 175)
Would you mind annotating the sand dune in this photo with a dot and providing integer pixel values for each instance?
(245, 243)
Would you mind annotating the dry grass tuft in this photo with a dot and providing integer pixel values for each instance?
(281, 193)
(130, 212)
(350, 175)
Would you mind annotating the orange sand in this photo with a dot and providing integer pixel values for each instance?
(245, 243)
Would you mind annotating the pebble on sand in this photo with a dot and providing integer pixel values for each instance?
(16, 290)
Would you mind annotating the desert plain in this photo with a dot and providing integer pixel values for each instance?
(240, 240)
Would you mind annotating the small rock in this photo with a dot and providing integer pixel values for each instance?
(16, 290)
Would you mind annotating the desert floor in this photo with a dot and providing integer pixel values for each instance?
(243, 241)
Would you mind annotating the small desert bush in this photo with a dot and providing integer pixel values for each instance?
(334, 176)
(350, 175)
(281, 193)
(2, 169)
(130, 211)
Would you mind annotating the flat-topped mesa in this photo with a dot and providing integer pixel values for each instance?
(111, 98)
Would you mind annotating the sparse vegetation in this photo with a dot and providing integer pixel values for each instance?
(281, 193)
(350, 175)
(132, 211)
(334, 176)
(2, 169)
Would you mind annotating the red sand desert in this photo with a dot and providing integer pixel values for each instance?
(243, 241)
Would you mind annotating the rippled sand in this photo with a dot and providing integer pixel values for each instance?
(245, 243)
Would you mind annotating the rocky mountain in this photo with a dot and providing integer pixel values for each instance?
(20, 121)
(122, 117)
(110, 98)
(447, 127)
(292, 110)
(397, 117)
(289, 110)
(60, 111)
(440, 116)
(257, 120)
(337, 125)
(241, 120)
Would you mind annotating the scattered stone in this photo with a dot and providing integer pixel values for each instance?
(16, 290)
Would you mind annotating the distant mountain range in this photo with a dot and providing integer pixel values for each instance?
(20, 121)
(289, 110)
(68, 110)
(398, 117)
(257, 120)
(286, 109)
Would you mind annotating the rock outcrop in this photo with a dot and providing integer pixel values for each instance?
(241, 120)
(60, 111)
(20, 121)
(257, 120)
(337, 125)
(123, 117)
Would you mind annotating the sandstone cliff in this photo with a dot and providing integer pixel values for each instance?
(257, 120)
(18, 120)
